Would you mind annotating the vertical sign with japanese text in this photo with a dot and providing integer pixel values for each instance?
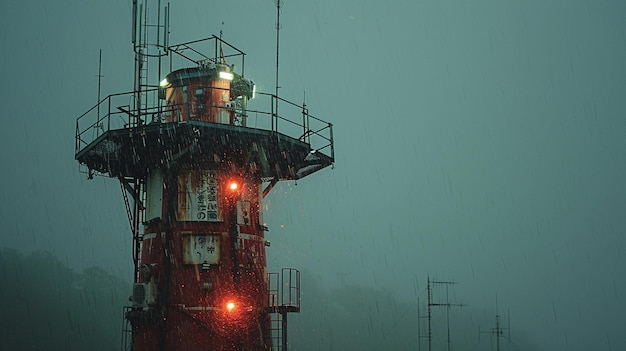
(197, 196)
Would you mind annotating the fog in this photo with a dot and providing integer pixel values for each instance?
(480, 142)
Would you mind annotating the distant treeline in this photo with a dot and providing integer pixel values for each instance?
(45, 305)
(355, 317)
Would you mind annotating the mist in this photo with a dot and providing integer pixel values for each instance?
(476, 142)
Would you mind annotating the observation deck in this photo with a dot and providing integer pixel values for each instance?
(114, 140)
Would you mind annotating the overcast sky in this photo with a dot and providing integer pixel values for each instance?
(476, 141)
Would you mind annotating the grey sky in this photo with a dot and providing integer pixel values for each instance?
(478, 141)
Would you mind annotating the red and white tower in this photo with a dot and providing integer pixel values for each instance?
(182, 147)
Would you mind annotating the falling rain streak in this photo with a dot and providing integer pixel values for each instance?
(476, 142)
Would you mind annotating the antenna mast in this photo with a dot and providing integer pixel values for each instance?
(150, 43)
(498, 331)
(278, 3)
(99, 80)
(447, 305)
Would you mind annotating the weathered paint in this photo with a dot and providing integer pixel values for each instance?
(199, 265)
(201, 249)
(197, 196)
(199, 94)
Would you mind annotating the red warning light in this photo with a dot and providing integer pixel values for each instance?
(235, 311)
(233, 185)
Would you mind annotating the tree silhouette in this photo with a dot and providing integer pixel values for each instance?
(47, 306)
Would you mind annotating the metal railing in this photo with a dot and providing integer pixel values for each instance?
(197, 52)
(116, 111)
(284, 289)
(268, 112)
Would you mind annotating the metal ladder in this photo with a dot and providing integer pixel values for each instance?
(283, 298)
(277, 331)
(127, 331)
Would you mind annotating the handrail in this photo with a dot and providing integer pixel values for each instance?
(197, 54)
(120, 112)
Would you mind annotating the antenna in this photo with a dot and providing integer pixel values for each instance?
(99, 81)
(431, 304)
(279, 4)
(419, 342)
(508, 322)
(497, 330)
(222, 60)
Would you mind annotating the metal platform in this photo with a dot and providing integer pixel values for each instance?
(268, 154)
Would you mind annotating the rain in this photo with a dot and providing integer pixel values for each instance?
(479, 143)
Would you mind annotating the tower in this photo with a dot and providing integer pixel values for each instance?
(193, 174)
